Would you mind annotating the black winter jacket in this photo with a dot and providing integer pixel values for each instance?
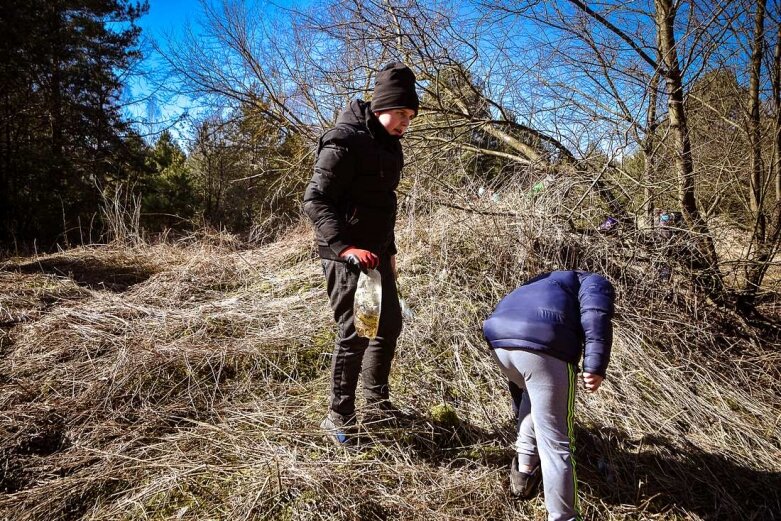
(351, 198)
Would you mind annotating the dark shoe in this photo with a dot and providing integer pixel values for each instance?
(339, 430)
(523, 485)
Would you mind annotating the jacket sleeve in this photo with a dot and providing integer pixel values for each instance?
(334, 172)
(596, 298)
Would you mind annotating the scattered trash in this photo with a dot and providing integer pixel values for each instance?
(667, 223)
(406, 311)
(540, 186)
(482, 192)
(609, 224)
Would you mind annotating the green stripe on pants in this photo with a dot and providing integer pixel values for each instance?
(571, 431)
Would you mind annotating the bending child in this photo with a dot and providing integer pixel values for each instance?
(537, 334)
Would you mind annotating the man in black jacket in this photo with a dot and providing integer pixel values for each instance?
(351, 200)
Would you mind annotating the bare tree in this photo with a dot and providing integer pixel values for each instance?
(665, 22)
(242, 57)
(755, 130)
(649, 143)
(567, 88)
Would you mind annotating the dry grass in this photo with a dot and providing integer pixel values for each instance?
(192, 386)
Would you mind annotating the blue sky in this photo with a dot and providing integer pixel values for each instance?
(166, 20)
(165, 17)
(168, 14)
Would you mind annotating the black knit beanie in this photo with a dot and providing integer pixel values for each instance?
(395, 89)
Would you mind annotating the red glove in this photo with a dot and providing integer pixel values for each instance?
(364, 259)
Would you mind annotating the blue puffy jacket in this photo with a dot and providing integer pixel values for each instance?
(558, 314)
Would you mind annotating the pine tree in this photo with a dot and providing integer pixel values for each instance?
(169, 198)
(62, 135)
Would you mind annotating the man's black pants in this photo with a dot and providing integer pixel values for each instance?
(353, 354)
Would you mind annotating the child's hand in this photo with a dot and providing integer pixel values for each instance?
(591, 382)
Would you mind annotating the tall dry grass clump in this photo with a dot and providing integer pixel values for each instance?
(195, 389)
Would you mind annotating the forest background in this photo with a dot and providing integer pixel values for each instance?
(650, 106)
(657, 105)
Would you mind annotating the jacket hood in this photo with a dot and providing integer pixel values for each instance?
(358, 114)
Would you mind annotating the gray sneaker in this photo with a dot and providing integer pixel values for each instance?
(524, 485)
(339, 430)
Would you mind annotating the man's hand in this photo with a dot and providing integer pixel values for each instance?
(592, 382)
(364, 259)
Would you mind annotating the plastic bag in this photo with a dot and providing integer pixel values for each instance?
(368, 304)
(406, 311)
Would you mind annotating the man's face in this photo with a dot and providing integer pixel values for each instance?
(395, 121)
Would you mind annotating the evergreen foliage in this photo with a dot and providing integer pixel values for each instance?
(169, 196)
(62, 135)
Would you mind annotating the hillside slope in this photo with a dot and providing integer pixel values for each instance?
(187, 382)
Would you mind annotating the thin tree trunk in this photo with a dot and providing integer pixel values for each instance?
(769, 247)
(649, 145)
(777, 107)
(755, 132)
(703, 251)
(759, 252)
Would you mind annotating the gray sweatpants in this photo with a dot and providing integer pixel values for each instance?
(545, 424)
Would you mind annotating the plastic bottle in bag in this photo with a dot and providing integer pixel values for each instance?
(368, 304)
